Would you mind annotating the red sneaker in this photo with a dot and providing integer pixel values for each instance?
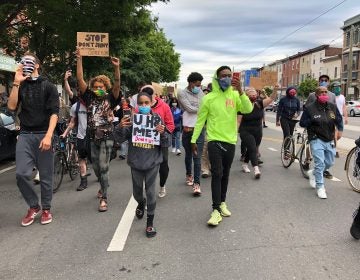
(30, 216)
(46, 217)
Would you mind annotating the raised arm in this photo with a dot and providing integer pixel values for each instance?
(14, 94)
(80, 72)
(116, 88)
(270, 98)
(66, 84)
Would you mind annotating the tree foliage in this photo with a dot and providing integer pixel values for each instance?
(306, 87)
(52, 26)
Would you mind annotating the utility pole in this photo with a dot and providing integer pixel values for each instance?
(350, 61)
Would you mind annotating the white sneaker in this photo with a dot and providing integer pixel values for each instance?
(173, 150)
(311, 178)
(245, 168)
(178, 152)
(321, 193)
(257, 173)
(162, 192)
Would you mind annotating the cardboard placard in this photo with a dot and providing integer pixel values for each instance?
(144, 131)
(93, 43)
(268, 78)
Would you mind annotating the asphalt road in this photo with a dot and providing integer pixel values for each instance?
(279, 229)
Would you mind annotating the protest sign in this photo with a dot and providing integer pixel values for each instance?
(144, 129)
(93, 43)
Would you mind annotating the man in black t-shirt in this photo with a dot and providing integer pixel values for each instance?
(39, 101)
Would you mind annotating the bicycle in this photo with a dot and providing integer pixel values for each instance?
(352, 167)
(65, 160)
(290, 152)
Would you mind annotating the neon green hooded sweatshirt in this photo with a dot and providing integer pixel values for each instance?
(219, 110)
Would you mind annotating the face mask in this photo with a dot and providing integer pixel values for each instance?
(195, 90)
(292, 92)
(174, 104)
(224, 83)
(28, 66)
(322, 99)
(144, 110)
(323, 84)
(252, 98)
(337, 91)
(100, 92)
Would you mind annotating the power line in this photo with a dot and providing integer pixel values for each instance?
(291, 33)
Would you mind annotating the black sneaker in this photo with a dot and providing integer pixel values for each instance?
(306, 166)
(355, 227)
(327, 174)
(150, 232)
(140, 209)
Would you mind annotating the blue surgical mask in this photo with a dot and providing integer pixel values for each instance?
(144, 110)
(324, 84)
(195, 90)
(336, 91)
(224, 83)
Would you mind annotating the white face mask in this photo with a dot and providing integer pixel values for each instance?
(174, 104)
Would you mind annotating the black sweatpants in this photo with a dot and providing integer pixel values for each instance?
(221, 156)
(287, 126)
(251, 138)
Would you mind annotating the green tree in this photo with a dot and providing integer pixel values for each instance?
(52, 25)
(306, 87)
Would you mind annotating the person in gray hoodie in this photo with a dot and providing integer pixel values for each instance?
(144, 159)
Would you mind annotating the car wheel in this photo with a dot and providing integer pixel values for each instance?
(352, 113)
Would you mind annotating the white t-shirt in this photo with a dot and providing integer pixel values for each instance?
(340, 102)
(82, 119)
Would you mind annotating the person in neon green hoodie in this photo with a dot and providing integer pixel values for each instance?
(219, 110)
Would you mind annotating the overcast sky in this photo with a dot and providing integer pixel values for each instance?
(211, 33)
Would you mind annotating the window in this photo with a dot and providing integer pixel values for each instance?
(335, 72)
(347, 39)
(345, 62)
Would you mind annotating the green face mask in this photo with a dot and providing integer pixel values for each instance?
(337, 91)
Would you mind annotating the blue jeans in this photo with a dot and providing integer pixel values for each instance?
(176, 138)
(124, 148)
(190, 157)
(324, 155)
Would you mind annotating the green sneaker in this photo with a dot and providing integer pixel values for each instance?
(224, 210)
(215, 218)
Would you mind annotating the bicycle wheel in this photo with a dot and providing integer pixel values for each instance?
(352, 169)
(73, 164)
(306, 160)
(58, 170)
(287, 151)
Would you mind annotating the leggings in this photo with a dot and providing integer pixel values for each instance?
(251, 137)
(287, 126)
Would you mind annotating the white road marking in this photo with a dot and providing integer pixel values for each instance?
(118, 241)
(7, 169)
(272, 149)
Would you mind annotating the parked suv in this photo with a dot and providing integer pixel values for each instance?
(8, 133)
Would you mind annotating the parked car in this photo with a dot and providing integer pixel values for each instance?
(8, 133)
(272, 106)
(353, 108)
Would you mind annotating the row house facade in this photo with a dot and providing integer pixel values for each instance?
(351, 56)
(311, 63)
